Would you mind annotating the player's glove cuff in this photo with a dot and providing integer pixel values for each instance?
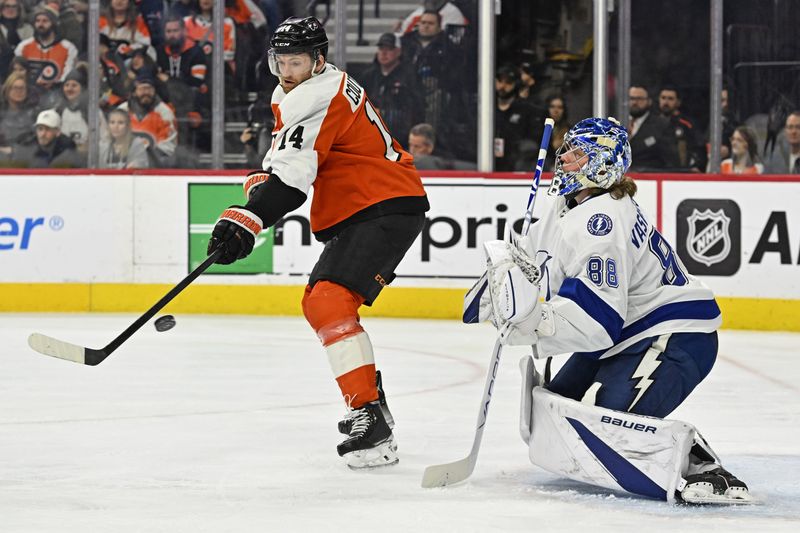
(254, 179)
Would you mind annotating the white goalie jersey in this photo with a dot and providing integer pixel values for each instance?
(611, 279)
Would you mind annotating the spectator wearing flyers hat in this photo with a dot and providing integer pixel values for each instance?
(49, 56)
(517, 124)
(49, 148)
(393, 88)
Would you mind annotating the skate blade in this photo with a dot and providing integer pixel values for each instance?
(733, 496)
(384, 454)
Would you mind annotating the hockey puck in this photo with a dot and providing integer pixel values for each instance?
(165, 323)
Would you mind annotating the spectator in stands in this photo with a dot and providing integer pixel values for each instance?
(122, 149)
(436, 63)
(125, 27)
(113, 76)
(518, 125)
(785, 158)
(652, 139)
(744, 158)
(183, 8)
(13, 30)
(198, 28)
(182, 67)
(256, 137)
(49, 56)
(392, 87)
(74, 109)
(139, 63)
(691, 150)
(17, 110)
(49, 149)
(20, 64)
(72, 21)
(427, 155)
(527, 83)
(153, 120)
(448, 12)
(154, 13)
(556, 108)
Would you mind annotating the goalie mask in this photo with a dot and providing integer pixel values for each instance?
(297, 36)
(595, 154)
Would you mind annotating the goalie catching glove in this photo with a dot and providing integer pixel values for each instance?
(236, 230)
(513, 286)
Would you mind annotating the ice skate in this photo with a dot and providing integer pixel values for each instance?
(716, 486)
(370, 442)
(346, 423)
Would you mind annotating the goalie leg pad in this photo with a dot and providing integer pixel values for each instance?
(620, 451)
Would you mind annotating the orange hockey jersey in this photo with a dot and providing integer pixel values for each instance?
(52, 63)
(198, 29)
(328, 134)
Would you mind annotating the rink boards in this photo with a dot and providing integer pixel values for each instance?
(116, 242)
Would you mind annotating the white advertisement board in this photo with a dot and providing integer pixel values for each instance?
(740, 238)
(66, 228)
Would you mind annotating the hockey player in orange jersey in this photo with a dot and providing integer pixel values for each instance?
(368, 208)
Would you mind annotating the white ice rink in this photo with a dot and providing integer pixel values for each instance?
(228, 424)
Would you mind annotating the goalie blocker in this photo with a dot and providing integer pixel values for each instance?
(638, 454)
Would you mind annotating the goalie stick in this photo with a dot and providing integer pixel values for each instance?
(450, 473)
(89, 356)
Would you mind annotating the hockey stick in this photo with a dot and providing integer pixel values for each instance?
(89, 356)
(474, 294)
(449, 473)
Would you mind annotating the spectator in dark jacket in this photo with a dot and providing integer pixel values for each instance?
(652, 138)
(393, 89)
(517, 124)
(50, 148)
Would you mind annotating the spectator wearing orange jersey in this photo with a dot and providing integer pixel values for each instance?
(125, 28)
(744, 154)
(199, 29)
(152, 119)
(49, 56)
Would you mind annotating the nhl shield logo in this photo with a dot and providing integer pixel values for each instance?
(708, 240)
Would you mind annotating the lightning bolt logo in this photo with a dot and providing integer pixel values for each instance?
(647, 366)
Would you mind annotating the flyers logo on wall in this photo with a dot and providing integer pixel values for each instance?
(206, 202)
(710, 236)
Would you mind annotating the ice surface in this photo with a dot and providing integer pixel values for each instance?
(229, 424)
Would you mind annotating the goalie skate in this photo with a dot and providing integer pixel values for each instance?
(370, 443)
(717, 486)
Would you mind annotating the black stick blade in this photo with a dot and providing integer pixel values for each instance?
(64, 350)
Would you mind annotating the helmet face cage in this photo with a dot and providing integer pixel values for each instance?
(602, 151)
